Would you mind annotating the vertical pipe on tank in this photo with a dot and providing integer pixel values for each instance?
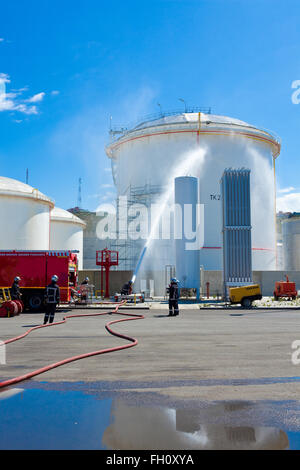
(187, 254)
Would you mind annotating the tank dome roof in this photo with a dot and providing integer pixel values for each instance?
(191, 118)
(12, 187)
(62, 215)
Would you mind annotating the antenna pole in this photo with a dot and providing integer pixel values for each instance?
(79, 193)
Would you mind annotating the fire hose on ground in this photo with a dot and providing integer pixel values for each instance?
(132, 342)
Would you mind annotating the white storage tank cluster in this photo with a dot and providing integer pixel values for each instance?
(25, 216)
(30, 221)
(203, 145)
(66, 232)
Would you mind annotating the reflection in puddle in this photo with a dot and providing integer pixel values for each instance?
(40, 418)
(159, 428)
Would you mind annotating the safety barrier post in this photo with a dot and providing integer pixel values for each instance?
(207, 290)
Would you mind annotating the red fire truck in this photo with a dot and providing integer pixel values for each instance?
(36, 268)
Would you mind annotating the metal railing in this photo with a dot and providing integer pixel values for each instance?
(121, 130)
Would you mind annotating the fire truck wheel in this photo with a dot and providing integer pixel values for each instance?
(246, 302)
(35, 302)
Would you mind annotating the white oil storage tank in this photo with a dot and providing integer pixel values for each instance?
(66, 232)
(291, 242)
(25, 216)
(147, 157)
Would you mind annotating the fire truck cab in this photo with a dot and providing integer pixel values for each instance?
(36, 268)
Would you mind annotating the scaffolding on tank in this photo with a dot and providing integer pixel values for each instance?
(128, 248)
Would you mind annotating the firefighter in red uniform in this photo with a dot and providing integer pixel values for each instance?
(52, 298)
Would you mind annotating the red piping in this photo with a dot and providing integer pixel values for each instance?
(133, 342)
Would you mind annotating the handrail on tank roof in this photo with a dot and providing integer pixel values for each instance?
(160, 115)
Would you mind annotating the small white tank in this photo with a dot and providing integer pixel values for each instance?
(24, 215)
(66, 232)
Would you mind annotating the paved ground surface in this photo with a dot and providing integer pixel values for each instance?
(205, 354)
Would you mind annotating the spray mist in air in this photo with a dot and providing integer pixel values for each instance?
(189, 162)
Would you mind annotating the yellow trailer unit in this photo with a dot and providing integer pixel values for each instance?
(245, 295)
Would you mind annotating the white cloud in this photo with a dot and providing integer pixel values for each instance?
(36, 98)
(55, 92)
(288, 203)
(286, 190)
(22, 108)
(107, 185)
(1, 39)
(109, 196)
(13, 102)
(94, 196)
(20, 90)
(4, 78)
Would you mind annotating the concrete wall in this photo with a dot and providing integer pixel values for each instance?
(266, 279)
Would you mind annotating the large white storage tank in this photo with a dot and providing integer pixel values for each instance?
(66, 232)
(291, 242)
(156, 151)
(24, 215)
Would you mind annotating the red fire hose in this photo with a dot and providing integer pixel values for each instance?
(133, 342)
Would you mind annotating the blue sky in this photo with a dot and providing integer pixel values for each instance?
(68, 66)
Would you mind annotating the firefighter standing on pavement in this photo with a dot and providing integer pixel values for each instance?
(15, 293)
(173, 298)
(52, 298)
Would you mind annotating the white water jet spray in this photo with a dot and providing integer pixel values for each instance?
(190, 161)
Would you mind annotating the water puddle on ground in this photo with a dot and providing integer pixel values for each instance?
(49, 418)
